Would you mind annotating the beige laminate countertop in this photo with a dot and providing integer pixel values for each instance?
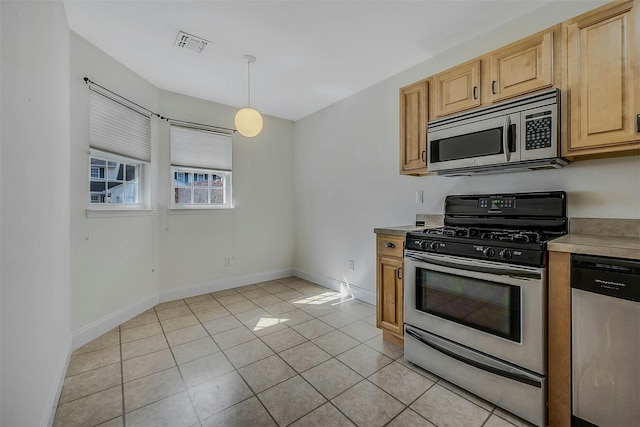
(592, 244)
(429, 220)
(399, 230)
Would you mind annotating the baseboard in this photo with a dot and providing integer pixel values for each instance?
(221, 285)
(56, 389)
(337, 285)
(101, 326)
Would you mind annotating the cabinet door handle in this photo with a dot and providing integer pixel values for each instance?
(399, 273)
(424, 152)
(389, 245)
(475, 90)
(493, 87)
(638, 122)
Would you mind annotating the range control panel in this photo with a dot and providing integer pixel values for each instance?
(493, 203)
(501, 252)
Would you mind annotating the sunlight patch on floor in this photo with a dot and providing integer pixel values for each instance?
(345, 292)
(267, 322)
(322, 298)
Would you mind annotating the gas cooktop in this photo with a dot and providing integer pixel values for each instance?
(524, 236)
(512, 228)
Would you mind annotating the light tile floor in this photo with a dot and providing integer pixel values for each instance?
(284, 352)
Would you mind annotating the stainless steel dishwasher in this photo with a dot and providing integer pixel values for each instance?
(605, 341)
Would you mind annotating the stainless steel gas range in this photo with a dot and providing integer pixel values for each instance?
(475, 296)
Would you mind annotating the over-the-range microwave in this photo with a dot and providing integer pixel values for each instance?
(519, 134)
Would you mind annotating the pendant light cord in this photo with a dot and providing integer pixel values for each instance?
(248, 83)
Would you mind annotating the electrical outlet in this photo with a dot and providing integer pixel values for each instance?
(352, 265)
(419, 196)
(227, 262)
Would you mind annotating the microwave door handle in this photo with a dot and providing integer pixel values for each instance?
(505, 138)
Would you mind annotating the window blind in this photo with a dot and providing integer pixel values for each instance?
(118, 129)
(200, 148)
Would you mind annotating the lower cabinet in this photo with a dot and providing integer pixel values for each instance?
(389, 290)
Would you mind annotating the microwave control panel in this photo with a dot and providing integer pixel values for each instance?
(538, 130)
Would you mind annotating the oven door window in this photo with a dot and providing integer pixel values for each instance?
(490, 307)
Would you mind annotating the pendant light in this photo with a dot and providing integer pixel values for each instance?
(248, 121)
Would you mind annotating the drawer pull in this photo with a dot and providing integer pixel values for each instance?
(638, 122)
(389, 245)
(399, 273)
(493, 87)
(424, 152)
(475, 92)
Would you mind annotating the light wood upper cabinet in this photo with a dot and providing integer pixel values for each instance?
(457, 89)
(413, 128)
(522, 67)
(594, 59)
(603, 75)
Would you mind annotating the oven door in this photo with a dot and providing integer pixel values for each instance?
(493, 308)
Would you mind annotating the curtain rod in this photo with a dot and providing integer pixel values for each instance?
(88, 81)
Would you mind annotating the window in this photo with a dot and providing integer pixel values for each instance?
(120, 153)
(200, 168)
(197, 188)
(113, 180)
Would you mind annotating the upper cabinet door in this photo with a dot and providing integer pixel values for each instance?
(413, 128)
(457, 89)
(522, 67)
(603, 80)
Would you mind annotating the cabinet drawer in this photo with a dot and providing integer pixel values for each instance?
(390, 246)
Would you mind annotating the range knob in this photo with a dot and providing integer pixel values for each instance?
(489, 252)
(434, 246)
(505, 254)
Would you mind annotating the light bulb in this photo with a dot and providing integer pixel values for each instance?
(248, 122)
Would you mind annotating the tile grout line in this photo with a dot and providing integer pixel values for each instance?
(176, 363)
(297, 373)
(124, 420)
(313, 316)
(248, 385)
(153, 373)
(254, 394)
(274, 354)
(327, 400)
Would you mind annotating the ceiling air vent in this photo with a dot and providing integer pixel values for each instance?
(191, 42)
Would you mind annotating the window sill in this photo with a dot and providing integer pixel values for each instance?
(198, 209)
(109, 213)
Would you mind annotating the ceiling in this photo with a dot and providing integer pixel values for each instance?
(310, 54)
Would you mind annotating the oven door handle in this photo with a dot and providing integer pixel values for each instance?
(516, 376)
(478, 268)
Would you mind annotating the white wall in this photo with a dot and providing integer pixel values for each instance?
(34, 153)
(1, 119)
(257, 235)
(122, 265)
(112, 257)
(347, 180)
